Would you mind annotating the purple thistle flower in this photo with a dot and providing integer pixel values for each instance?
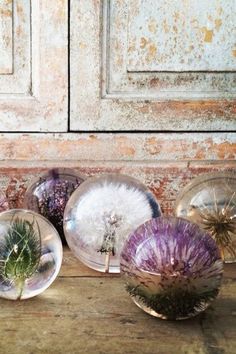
(172, 268)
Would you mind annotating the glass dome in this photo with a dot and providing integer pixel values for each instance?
(172, 268)
(30, 254)
(100, 215)
(49, 193)
(210, 201)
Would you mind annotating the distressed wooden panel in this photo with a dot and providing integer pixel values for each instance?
(171, 60)
(18, 79)
(115, 98)
(6, 54)
(192, 35)
(34, 96)
(117, 147)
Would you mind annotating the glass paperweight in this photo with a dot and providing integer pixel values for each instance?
(49, 193)
(100, 215)
(210, 201)
(172, 268)
(30, 254)
(3, 202)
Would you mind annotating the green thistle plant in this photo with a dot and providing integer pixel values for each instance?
(20, 253)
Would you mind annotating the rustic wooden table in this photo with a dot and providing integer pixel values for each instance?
(88, 312)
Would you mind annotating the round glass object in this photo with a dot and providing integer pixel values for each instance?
(210, 201)
(172, 268)
(101, 214)
(30, 254)
(49, 193)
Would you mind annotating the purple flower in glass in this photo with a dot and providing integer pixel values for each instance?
(49, 193)
(172, 268)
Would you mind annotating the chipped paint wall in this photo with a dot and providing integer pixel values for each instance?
(33, 65)
(181, 35)
(164, 162)
(151, 69)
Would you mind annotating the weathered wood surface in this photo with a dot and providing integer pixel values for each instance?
(124, 78)
(143, 147)
(33, 65)
(86, 312)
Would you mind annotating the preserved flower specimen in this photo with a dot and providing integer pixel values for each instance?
(100, 215)
(172, 268)
(49, 193)
(210, 201)
(30, 254)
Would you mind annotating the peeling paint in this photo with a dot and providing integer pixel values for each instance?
(6, 45)
(34, 96)
(152, 81)
(117, 147)
(218, 23)
(181, 26)
(208, 34)
(165, 180)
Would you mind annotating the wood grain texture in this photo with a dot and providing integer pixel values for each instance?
(86, 312)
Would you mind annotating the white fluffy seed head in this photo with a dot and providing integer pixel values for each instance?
(105, 203)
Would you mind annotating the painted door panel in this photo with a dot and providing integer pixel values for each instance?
(153, 65)
(33, 65)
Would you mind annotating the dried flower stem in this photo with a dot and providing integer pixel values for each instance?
(107, 262)
(111, 223)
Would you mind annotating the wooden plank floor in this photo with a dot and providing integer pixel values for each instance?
(88, 312)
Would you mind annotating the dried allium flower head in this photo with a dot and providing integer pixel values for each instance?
(101, 214)
(210, 201)
(49, 193)
(172, 268)
(220, 224)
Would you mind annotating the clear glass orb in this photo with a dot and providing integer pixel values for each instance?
(172, 268)
(100, 215)
(210, 201)
(30, 254)
(49, 193)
